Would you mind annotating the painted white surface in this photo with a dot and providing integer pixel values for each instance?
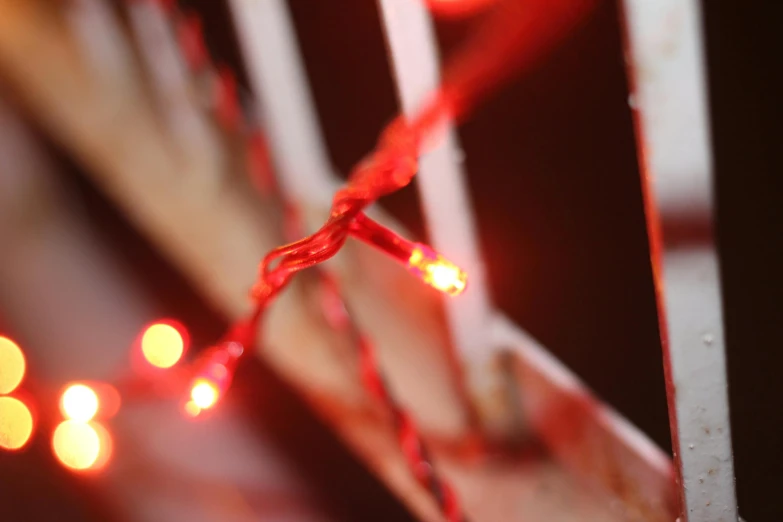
(666, 54)
(268, 41)
(442, 187)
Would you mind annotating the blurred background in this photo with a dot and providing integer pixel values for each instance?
(553, 173)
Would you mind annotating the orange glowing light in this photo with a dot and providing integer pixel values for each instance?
(458, 8)
(162, 345)
(16, 424)
(204, 394)
(12, 365)
(437, 271)
(192, 409)
(79, 402)
(81, 446)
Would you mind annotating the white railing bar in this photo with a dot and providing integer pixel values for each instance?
(171, 80)
(667, 62)
(268, 41)
(95, 27)
(442, 187)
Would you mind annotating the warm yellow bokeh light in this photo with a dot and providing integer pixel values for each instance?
(16, 423)
(191, 409)
(12, 365)
(437, 271)
(204, 394)
(447, 278)
(162, 345)
(79, 402)
(81, 446)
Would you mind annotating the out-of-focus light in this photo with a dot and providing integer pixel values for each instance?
(81, 446)
(16, 424)
(436, 271)
(12, 365)
(163, 344)
(192, 409)
(458, 8)
(79, 402)
(204, 394)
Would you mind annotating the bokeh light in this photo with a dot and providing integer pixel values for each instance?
(12, 365)
(16, 423)
(163, 344)
(82, 446)
(191, 409)
(458, 8)
(204, 394)
(79, 402)
(437, 271)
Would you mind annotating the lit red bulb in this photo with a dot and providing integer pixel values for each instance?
(16, 424)
(80, 442)
(204, 394)
(79, 402)
(423, 262)
(214, 373)
(12, 365)
(163, 343)
(16, 417)
(82, 446)
(437, 271)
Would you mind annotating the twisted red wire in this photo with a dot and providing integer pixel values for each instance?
(411, 442)
(485, 62)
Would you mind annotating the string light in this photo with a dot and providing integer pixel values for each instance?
(420, 260)
(16, 424)
(436, 271)
(163, 343)
(79, 402)
(82, 446)
(204, 394)
(12, 365)
(214, 373)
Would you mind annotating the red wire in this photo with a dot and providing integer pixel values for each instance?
(501, 47)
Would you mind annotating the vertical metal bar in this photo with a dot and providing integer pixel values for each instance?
(444, 196)
(170, 79)
(667, 65)
(278, 75)
(95, 27)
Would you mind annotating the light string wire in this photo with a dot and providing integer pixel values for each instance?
(390, 167)
(345, 219)
(510, 38)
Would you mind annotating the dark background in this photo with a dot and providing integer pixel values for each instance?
(555, 183)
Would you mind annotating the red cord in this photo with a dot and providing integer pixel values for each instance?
(411, 442)
(501, 47)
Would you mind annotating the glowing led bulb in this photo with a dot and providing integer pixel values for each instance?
(204, 394)
(81, 446)
(422, 261)
(16, 424)
(213, 376)
(79, 402)
(12, 365)
(436, 271)
(162, 345)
